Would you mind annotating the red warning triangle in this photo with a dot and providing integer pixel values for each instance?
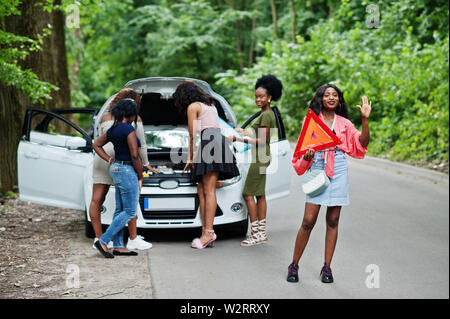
(316, 135)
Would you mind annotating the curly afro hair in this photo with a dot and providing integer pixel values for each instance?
(123, 109)
(272, 85)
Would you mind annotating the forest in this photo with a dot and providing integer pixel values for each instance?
(68, 53)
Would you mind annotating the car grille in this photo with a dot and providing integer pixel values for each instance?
(156, 179)
(172, 214)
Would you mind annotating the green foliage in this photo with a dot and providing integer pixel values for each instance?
(127, 40)
(405, 77)
(402, 66)
(13, 49)
(100, 51)
(10, 194)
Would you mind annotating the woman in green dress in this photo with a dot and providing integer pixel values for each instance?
(267, 88)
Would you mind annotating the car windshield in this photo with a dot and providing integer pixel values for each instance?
(159, 138)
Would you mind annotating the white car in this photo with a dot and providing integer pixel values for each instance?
(55, 159)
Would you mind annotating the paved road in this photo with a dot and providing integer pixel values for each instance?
(398, 220)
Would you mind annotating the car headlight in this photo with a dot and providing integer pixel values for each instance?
(237, 207)
(228, 182)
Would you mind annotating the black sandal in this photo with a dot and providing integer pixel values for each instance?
(105, 254)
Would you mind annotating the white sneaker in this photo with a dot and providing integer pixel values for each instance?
(138, 243)
(110, 244)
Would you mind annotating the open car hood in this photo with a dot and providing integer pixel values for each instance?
(166, 86)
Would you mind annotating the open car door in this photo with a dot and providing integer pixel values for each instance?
(52, 157)
(279, 172)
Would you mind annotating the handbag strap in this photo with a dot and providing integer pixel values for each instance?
(326, 152)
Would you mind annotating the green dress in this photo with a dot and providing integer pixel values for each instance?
(255, 184)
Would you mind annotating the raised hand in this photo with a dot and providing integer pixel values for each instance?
(366, 107)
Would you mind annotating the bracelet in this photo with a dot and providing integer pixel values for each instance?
(109, 161)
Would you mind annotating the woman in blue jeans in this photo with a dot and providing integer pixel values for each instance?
(125, 171)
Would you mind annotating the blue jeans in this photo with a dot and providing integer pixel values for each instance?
(127, 197)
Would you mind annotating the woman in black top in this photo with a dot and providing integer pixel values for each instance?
(126, 172)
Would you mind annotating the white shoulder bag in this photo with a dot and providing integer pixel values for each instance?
(316, 181)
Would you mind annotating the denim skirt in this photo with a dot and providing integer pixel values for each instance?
(336, 194)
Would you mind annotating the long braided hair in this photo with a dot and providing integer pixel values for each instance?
(188, 92)
(316, 102)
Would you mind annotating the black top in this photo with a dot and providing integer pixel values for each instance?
(118, 136)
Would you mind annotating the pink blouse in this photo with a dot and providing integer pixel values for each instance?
(348, 134)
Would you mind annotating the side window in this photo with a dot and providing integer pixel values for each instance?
(81, 120)
(51, 129)
(45, 123)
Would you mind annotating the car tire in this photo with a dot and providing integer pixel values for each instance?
(242, 228)
(88, 229)
(238, 229)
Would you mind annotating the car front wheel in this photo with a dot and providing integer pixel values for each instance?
(88, 229)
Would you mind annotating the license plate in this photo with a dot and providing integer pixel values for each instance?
(169, 203)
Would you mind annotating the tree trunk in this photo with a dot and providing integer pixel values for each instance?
(274, 19)
(238, 40)
(198, 59)
(75, 66)
(12, 104)
(49, 65)
(239, 47)
(251, 53)
(294, 22)
(56, 46)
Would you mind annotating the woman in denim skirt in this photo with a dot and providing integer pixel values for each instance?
(328, 103)
(126, 173)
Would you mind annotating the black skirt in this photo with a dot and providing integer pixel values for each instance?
(214, 155)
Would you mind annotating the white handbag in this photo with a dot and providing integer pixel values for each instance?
(316, 181)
